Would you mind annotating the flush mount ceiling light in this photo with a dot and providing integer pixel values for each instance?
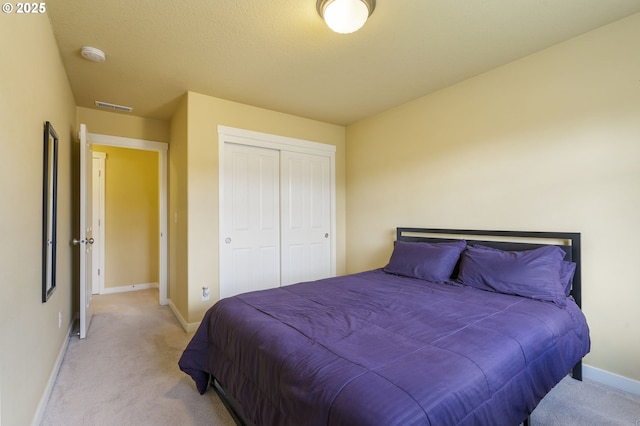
(92, 54)
(345, 16)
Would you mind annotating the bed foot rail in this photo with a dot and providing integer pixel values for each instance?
(231, 406)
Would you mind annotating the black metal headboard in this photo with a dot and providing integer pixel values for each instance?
(506, 240)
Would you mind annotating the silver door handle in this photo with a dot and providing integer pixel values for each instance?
(76, 241)
(227, 240)
(326, 235)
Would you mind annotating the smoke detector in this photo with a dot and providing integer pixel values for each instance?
(92, 54)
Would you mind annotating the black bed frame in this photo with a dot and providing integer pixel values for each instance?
(569, 242)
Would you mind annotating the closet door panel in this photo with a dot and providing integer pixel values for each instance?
(250, 249)
(305, 217)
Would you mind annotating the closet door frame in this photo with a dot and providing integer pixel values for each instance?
(281, 143)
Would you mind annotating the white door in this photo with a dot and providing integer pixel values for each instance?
(98, 208)
(85, 237)
(305, 217)
(250, 240)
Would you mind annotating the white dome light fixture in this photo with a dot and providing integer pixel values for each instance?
(345, 16)
(93, 54)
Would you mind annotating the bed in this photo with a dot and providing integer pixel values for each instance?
(461, 327)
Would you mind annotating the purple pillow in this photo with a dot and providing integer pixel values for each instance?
(567, 270)
(425, 261)
(529, 273)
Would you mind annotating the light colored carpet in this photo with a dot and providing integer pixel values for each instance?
(586, 403)
(126, 373)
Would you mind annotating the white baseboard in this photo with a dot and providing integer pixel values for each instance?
(42, 405)
(187, 327)
(132, 287)
(611, 379)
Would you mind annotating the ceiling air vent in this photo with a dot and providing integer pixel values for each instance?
(113, 106)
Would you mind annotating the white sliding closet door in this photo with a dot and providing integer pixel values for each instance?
(305, 217)
(250, 250)
(277, 210)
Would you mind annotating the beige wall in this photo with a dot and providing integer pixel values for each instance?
(199, 163)
(131, 223)
(547, 143)
(123, 125)
(178, 285)
(33, 89)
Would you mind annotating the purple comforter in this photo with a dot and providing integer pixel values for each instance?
(378, 349)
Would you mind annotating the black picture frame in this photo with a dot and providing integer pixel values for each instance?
(49, 211)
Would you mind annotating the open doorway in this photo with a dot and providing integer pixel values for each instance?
(132, 196)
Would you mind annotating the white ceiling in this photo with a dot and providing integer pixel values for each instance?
(279, 54)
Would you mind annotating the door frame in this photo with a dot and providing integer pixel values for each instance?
(281, 143)
(161, 148)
